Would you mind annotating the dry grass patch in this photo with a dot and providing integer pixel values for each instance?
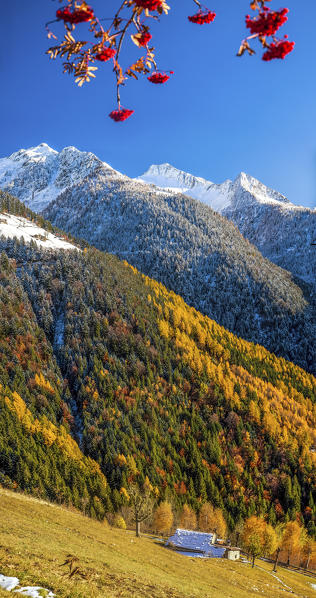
(35, 538)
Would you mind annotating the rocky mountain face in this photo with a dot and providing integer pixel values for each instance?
(40, 174)
(181, 242)
(282, 231)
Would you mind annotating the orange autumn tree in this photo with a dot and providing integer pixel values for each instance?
(188, 518)
(163, 518)
(294, 537)
(106, 35)
(212, 520)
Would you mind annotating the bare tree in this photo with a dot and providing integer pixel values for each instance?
(142, 504)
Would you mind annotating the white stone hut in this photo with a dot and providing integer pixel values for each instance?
(232, 553)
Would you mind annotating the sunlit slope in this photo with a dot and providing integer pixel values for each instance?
(35, 539)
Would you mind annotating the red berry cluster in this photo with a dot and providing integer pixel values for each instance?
(120, 114)
(267, 22)
(278, 49)
(157, 77)
(149, 4)
(105, 54)
(79, 15)
(144, 38)
(202, 17)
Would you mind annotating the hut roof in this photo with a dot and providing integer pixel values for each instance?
(195, 542)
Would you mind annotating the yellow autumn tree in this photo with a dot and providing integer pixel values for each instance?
(270, 540)
(309, 551)
(212, 520)
(294, 537)
(253, 537)
(188, 518)
(163, 518)
(119, 522)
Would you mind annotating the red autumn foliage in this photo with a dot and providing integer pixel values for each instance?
(134, 14)
(144, 38)
(120, 114)
(149, 4)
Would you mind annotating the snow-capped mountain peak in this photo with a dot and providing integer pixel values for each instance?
(165, 176)
(37, 153)
(218, 196)
(65, 183)
(260, 191)
(39, 174)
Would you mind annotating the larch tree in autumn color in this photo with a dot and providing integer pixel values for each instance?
(270, 540)
(279, 531)
(294, 537)
(212, 520)
(309, 551)
(188, 518)
(132, 20)
(163, 518)
(252, 537)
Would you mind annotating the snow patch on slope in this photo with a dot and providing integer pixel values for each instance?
(17, 226)
(13, 583)
(8, 583)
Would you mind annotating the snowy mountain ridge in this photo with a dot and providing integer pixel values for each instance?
(281, 230)
(217, 196)
(184, 243)
(40, 174)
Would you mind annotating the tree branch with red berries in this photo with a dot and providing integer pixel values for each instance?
(132, 21)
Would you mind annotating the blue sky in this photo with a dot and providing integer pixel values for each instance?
(218, 114)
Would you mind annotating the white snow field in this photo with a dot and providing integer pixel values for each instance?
(16, 226)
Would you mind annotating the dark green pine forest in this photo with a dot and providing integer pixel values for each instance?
(105, 374)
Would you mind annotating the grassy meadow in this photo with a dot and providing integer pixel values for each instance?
(36, 537)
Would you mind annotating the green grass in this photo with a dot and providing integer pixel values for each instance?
(35, 537)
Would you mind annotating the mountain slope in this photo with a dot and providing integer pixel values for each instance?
(198, 254)
(157, 388)
(282, 231)
(176, 240)
(37, 452)
(117, 563)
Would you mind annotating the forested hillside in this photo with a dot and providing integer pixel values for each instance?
(37, 451)
(198, 254)
(147, 384)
